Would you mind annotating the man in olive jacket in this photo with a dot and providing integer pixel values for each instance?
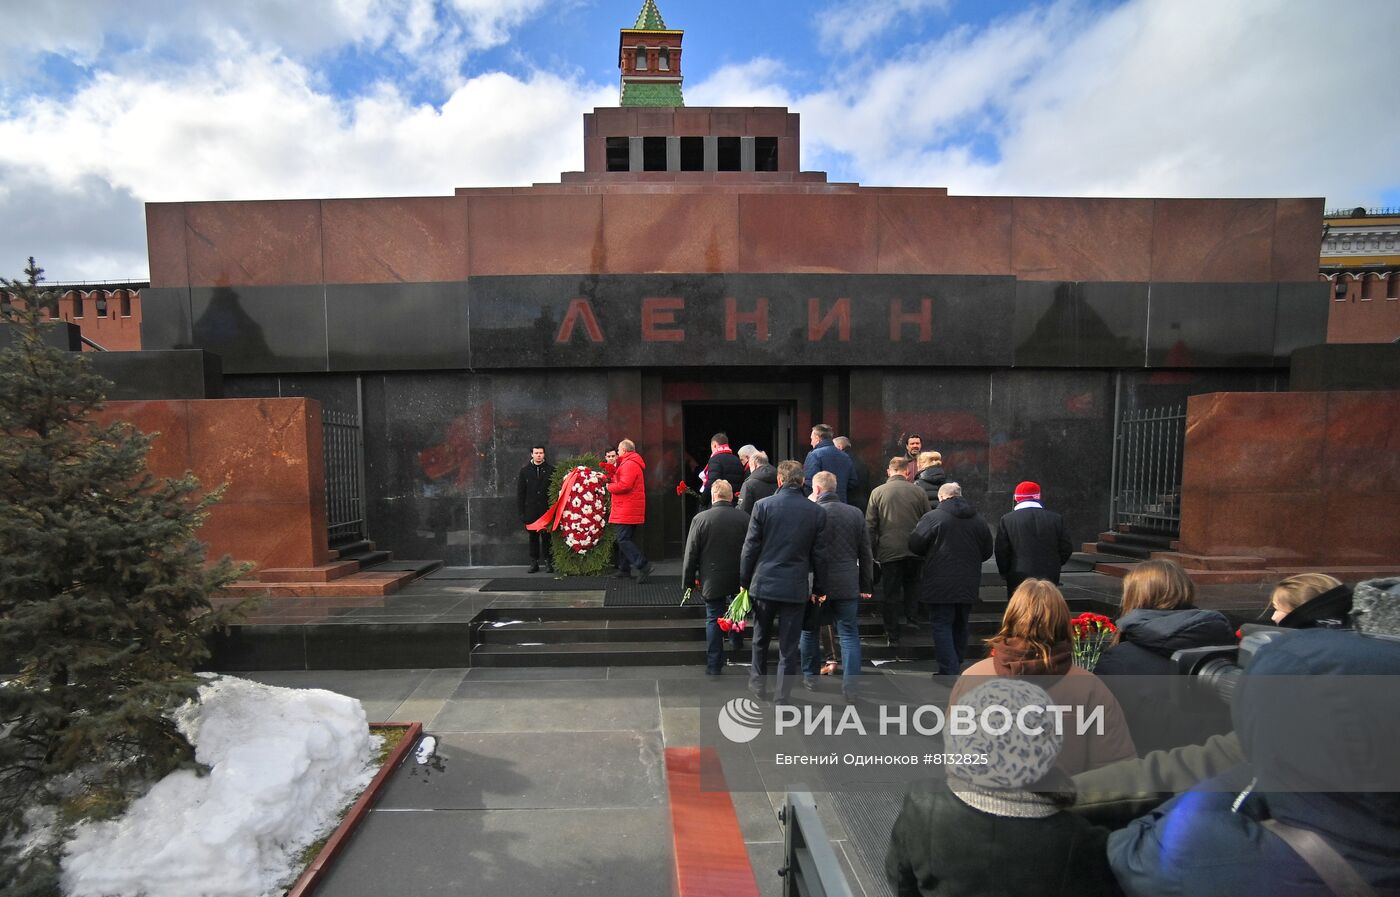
(954, 540)
(711, 565)
(894, 510)
(778, 558)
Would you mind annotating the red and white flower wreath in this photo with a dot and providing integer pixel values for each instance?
(584, 498)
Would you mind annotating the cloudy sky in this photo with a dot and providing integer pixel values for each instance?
(105, 106)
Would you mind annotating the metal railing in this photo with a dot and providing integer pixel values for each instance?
(1147, 475)
(343, 447)
(1351, 212)
(810, 867)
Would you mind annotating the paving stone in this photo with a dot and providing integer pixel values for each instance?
(603, 852)
(531, 770)
(551, 706)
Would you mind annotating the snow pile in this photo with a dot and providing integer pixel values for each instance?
(284, 763)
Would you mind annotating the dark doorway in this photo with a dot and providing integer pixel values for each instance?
(767, 425)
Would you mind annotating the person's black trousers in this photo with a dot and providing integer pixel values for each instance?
(539, 545)
(899, 593)
(786, 618)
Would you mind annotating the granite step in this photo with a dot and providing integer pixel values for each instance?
(323, 573)
(365, 582)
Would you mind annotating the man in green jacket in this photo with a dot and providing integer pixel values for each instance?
(894, 510)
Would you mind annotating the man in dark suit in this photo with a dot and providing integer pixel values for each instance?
(1031, 540)
(858, 489)
(953, 540)
(845, 573)
(723, 465)
(711, 565)
(778, 557)
(532, 500)
(826, 456)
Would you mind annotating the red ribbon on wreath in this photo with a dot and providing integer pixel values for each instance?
(550, 519)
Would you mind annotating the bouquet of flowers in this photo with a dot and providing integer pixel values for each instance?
(1089, 635)
(683, 489)
(734, 618)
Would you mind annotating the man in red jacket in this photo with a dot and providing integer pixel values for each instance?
(629, 510)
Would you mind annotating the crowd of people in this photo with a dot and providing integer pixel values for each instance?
(1164, 799)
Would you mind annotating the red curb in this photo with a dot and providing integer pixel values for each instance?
(711, 857)
(311, 877)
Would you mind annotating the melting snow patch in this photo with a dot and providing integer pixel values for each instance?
(283, 764)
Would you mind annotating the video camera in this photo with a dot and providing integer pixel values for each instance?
(1218, 668)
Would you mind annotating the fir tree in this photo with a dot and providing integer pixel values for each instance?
(104, 589)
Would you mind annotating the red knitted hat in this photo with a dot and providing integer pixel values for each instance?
(1028, 491)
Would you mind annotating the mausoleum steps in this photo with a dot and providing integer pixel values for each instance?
(339, 578)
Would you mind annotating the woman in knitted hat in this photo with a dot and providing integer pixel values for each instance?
(1034, 642)
(997, 824)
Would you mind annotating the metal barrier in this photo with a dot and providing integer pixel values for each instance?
(810, 867)
(1147, 468)
(343, 446)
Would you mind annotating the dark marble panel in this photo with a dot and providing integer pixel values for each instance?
(371, 646)
(1055, 428)
(1211, 325)
(258, 648)
(950, 410)
(435, 440)
(1157, 389)
(1302, 318)
(1345, 366)
(57, 334)
(1070, 324)
(165, 318)
(251, 386)
(666, 320)
(260, 330)
(404, 326)
(335, 392)
(160, 374)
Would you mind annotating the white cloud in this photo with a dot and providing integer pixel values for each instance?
(258, 128)
(850, 25)
(1153, 98)
(752, 83)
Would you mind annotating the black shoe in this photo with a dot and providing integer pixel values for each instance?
(534, 567)
(809, 683)
(549, 566)
(622, 574)
(644, 575)
(760, 695)
(714, 672)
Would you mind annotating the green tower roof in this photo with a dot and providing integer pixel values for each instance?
(649, 19)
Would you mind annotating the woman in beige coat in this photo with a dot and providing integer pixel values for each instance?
(1034, 644)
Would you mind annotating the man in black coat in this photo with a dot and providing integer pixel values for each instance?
(761, 483)
(1031, 541)
(723, 465)
(846, 570)
(953, 540)
(858, 489)
(532, 498)
(711, 565)
(778, 557)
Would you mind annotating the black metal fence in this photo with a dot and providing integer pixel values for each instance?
(1147, 468)
(343, 443)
